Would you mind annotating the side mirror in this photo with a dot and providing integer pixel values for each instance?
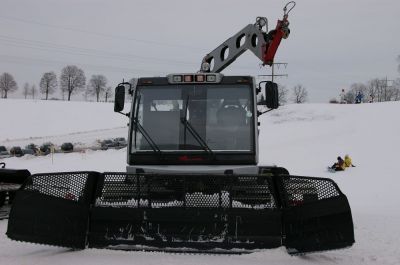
(271, 95)
(119, 101)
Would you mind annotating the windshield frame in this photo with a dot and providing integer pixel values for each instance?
(218, 156)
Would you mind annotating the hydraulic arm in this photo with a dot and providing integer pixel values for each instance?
(253, 37)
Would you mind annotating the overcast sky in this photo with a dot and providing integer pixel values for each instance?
(333, 43)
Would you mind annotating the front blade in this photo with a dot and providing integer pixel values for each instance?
(201, 212)
(175, 212)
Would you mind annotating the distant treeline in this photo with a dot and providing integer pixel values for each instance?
(72, 80)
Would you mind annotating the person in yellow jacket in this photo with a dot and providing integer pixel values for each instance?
(348, 162)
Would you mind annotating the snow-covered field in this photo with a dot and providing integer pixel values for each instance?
(38, 121)
(303, 138)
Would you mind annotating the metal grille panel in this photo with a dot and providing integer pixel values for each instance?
(198, 191)
(70, 186)
(303, 190)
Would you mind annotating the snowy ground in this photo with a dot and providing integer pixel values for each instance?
(38, 121)
(302, 138)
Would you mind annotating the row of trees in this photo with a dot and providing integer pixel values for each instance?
(72, 81)
(7, 84)
(375, 90)
(298, 95)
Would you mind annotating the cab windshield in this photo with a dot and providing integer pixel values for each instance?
(193, 118)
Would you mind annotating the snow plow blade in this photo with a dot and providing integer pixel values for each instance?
(181, 213)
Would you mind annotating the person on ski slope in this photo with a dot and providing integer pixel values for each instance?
(348, 162)
(359, 97)
(342, 96)
(339, 165)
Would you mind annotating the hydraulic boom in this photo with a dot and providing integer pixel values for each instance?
(253, 37)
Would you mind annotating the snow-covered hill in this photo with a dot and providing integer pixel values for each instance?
(38, 121)
(303, 138)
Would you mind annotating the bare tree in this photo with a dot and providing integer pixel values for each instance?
(48, 83)
(381, 89)
(300, 94)
(97, 85)
(27, 90)
(282, 95)
(108, 93)
(72, 80)
(7, 84)
(33, 91)
(373, 89)
(396, 95)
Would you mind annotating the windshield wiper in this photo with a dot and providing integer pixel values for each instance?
(146, 136)
(193, 131)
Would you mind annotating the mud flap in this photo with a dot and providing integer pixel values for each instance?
(316, 215)
(53, 209)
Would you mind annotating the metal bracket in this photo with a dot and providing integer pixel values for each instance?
(251, 37)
